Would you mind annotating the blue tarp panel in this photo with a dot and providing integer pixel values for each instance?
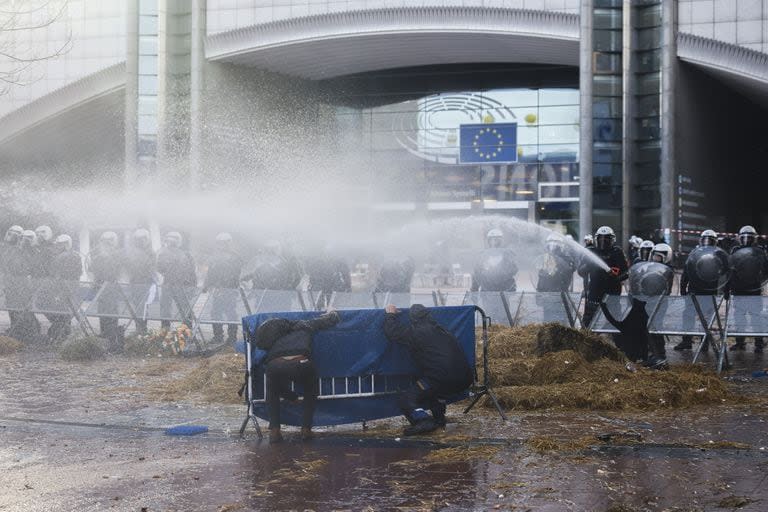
(355, 357)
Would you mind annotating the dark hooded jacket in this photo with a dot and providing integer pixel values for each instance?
(633, 340)
(435, 351)
(282, 337)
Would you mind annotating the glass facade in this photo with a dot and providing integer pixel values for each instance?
(645, 139)
(412, 151)
(607, 112)
(226, 15)
(90, 33)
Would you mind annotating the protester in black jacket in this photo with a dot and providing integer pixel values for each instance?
(634, 337)
(289, 358)
(443, 367)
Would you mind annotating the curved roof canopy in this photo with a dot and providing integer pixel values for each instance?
(337, 44)
(75, 120)
(742, 69)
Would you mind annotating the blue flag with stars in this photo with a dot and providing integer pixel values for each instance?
(488, 143)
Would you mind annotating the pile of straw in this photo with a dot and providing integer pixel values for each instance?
(216, 379)
(9, 346)
(552, 366)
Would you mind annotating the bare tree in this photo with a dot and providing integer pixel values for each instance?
(19, 21)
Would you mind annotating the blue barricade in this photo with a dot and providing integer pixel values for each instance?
(360, 370)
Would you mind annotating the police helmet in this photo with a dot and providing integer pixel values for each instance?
(109, 239)
(141, 238)
(63, 243)
(708, 238)
(44, 233)
(224, 241)
(28, 238)
(604, 237)
(554, 243)
(646, 247)
(635, 241)
(662, 253)
(173, 239)
(747, 236)
(13, 234)
(589, 241)
(494, 238)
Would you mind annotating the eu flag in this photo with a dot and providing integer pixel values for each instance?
(488, 143)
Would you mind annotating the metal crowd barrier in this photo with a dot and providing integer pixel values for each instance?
(710, 317)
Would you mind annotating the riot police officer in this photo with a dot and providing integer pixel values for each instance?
(178, 270)
(598, 280)
(223, 280)
(634, 247)
(705, 273)
(496, 269)
(327, 274)
(66, 266)
(22, 265)
(749, 270)
(273, 269)
(9, 254)
(140, 262)
(644, 252)
(106, 265)
(45, 249)
(395, 276)
(661, 254)
(557, 267)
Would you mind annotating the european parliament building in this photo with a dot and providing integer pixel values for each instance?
(645, 115)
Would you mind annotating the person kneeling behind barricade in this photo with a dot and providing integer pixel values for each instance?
(443, 368)
(288, 344)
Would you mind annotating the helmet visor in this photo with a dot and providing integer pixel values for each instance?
(604, 242)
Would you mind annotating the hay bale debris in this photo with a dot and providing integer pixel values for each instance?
(87, 348)
(9, 346)
(553, 366)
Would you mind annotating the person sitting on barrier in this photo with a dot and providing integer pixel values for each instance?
(634, 339)
(289, 358)
(599, 281)
(443, 367)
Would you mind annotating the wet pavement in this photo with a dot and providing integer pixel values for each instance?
(88, 437)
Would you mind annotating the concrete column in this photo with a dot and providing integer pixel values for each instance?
(669, 69)
(131, 91)
(173, 69)
(628, 106)
(585, 142)
(197, 89)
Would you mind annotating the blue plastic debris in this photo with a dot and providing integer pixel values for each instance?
(186, 430)
(760, 373)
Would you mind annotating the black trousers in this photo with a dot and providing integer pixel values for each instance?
(424, 395)
(280, 372)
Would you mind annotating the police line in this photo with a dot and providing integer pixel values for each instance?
(669, 315)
